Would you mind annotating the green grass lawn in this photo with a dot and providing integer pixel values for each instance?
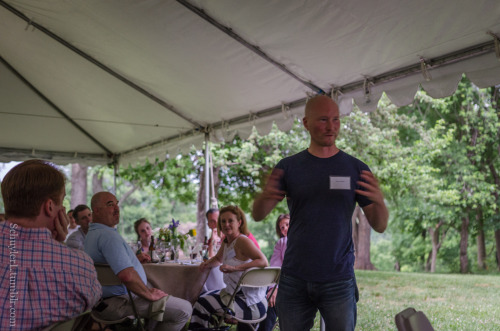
(450, 301)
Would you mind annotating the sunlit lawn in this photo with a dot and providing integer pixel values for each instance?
(450, 301)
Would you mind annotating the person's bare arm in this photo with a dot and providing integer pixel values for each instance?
(214, 261)
(376, 212)
(246, 249)
(270, 196)
(131, 279)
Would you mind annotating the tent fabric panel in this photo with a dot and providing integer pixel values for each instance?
(17, 98)
(203, 77)
(78, 85)
(44, 134)
(337, 42)
(173, 54)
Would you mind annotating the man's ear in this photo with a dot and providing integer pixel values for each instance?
(304, 121)
(49, 207)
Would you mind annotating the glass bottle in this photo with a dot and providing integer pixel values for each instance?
(152, 251)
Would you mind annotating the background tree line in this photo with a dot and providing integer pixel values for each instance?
(437, 162)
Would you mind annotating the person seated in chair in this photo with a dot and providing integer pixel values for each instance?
(282, 224)
(72, 226)
(237, 254)
(83, 217)
(43, 280)
(143, 230)
(105, 245)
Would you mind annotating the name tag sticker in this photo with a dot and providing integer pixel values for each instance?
(340, 183)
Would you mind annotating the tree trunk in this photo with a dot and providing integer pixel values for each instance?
(361, 235)
(200, 215)
(436, 245)
(78, 185)
(97, 183)
(127, 194)
(201, 220)
(464, 240)
(481, 246)
(354, 223)
(497, 241)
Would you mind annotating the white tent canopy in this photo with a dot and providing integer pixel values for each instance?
(95, 81)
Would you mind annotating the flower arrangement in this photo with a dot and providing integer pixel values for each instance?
(170, 234)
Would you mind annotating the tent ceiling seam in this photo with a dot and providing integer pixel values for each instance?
(256, 49)
(50, 154)
(92, 60)
(57, 109)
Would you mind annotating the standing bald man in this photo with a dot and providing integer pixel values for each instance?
(322, 186)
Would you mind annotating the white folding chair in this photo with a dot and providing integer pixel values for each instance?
(412, 320)
(254, 277)
(107, 277)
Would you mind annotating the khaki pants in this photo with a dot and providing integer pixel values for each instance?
(177, 311)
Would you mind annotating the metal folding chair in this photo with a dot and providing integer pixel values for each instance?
(253, 277)
(412, 320)
(107, 277)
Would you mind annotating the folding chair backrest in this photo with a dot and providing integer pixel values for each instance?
(260, 277)
(419, 322)
(402, 316)
(412, 320)
(106, 276)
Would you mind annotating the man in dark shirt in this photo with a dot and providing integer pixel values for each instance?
(322, 185)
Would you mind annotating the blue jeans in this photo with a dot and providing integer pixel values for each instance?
(298, 301)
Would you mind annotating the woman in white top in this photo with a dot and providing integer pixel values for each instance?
(237, 254)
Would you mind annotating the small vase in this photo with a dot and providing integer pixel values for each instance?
(175, 250)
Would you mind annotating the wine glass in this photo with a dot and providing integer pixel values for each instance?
(161, 251)
(203, 252)
(195, 252)
(189, 249)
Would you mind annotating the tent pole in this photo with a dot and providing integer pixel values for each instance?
(114, 177)
(115, 171)
(207, 180)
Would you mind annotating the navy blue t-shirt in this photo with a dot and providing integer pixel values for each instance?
(321, 199)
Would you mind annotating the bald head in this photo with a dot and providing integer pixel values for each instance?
(105, 209)
(323, 123)
(319, 101)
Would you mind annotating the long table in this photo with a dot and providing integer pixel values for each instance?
(180, 280)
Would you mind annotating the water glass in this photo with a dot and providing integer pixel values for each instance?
(161, 251)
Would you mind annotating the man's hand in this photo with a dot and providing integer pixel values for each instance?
(272, 298)
(376, 213)
(144, 258)
(272, 189)
(371, 188)
(270, 196)
(60, 226)
(156, 294)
